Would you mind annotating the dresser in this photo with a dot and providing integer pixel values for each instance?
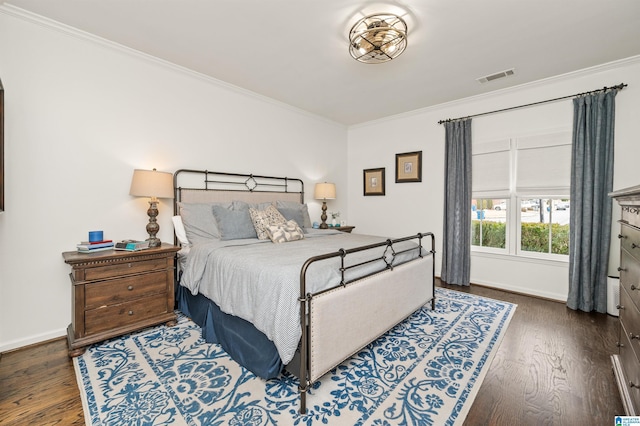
(117, 292)
(626, 363)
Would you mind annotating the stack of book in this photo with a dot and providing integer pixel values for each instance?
(95, 246)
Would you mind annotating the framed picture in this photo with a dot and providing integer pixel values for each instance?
(409, 167)
(374, 181)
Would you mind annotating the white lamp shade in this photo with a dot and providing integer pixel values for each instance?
(151, 183)
(325, 191)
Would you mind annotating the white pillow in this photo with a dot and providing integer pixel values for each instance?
(178, 227)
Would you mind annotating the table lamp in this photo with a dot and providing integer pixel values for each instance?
(153, 184)
(324, 191)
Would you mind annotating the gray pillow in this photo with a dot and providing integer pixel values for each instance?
(304, 211)
(199, 223)
(294, 214)
(234, 224)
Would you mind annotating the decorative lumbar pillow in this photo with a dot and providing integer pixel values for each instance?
(288, 231)
(264, 218)
(233, 224)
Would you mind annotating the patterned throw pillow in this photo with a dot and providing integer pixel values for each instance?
(262, 219)
(289, 231)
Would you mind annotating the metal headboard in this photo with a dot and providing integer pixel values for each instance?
(207, 186)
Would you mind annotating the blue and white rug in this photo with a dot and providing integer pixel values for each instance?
(425, 371)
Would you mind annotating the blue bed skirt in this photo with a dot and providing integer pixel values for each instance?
(239, 338)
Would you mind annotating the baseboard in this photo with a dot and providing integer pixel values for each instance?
(550, 298)
(32, 340)
(516, 290)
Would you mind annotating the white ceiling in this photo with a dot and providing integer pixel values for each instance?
(296, 51)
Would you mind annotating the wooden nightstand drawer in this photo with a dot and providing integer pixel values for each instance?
(125, 268)
(110, 317)
(125, 289)
(116, 292)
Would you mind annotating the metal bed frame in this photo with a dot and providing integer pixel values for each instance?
(247, 186)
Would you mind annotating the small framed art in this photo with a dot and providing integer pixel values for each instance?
(409, 167)
(373, 181)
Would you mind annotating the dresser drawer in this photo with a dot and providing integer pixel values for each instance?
(630, 276)
(111, 317)
(122, 290)
(125, 268)
(630, 319)
(631, 215)
(631, 367)
(630, 240)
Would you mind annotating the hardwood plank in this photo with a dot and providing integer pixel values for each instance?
(552, 368)
(39, 387)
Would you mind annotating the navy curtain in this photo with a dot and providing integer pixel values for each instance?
(591, 181)
(456, 244)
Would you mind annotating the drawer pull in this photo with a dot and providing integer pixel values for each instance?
(619, 307)
(620, 345)
(130, 312)
(634, 245)
(130, 288)
(634, 336)
(633, 287)
(622, 236)
(129, 265)
(633, 385)
(622, 269)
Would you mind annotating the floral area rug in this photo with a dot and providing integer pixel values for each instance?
(425, 371)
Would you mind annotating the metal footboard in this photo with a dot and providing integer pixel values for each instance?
(331, 320)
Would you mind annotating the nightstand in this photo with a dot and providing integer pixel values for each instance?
(116, 292)
(343, 228)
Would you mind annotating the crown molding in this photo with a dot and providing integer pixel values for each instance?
(508, 90)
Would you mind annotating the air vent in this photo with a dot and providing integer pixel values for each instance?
(501, 74)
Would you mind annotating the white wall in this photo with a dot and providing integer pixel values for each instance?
(80, 115)
(415, 207)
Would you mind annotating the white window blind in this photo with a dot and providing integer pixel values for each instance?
(491, 171)
(543, 163)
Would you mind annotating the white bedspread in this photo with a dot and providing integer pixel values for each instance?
(259, 281)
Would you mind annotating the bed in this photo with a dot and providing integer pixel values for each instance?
(278, 294)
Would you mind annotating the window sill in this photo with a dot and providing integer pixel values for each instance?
(522, 258)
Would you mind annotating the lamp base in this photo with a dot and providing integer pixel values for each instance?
(324, 225)
(152, 226)
(154, 242)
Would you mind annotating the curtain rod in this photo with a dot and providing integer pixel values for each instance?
(604, 89)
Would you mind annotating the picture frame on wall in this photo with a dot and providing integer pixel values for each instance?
(374, 181)
(409, 167)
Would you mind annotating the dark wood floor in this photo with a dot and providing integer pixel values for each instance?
(552, 368)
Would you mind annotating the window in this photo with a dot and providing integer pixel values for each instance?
(546, 229)
(488, 227)
(531, 173)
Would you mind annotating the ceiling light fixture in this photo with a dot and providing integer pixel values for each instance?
(378, 38)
